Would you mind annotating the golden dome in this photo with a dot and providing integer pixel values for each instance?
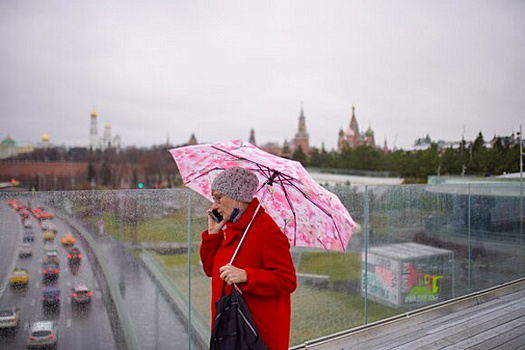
(94, 113)
(107, 126)
(45, 137)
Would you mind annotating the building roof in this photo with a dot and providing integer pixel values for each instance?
(8, 141)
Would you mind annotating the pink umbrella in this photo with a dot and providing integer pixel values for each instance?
(308, 214)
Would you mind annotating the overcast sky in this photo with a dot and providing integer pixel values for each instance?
(165, 68)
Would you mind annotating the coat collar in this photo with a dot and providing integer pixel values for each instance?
(234, 230)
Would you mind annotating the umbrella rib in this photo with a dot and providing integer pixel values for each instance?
(283, 179)
(202, 173)
(326, 212)
(292, 209)
(295, 217)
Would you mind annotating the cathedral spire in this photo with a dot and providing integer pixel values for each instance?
(301, 137)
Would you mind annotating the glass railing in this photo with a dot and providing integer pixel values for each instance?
(416, 245)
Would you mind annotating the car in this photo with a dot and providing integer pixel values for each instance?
(25, 250)
(50, 272)
(19, 278)
(41, 334)
(29, 236)
(48, 235)
(51, 297)
(53, 227)
(48, 225)
(74, 256)
(81, 294)
(27, 223)
(9, 318)
(24, 214)
(44, 225)
(16, 204)
(68, 240)
(51, 257)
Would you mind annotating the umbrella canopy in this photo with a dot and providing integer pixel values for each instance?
(308, 214)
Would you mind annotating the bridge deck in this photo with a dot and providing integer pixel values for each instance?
(491, 319)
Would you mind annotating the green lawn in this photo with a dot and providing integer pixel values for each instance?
(315, 313)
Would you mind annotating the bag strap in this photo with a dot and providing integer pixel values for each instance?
(246, 230)
(244, 234)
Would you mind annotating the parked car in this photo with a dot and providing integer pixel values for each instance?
(27, 223)
(50, 272)
(74, 256)
(25, 250)
(42, 334)
(51, 297)
(68, 240)
(19, 278)
(81, 294)
(9, 318)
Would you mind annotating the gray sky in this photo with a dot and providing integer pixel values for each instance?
(166, 68)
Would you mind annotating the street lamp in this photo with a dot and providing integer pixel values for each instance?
(521, 193)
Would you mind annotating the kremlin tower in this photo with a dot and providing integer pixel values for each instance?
(104, 142)
(301, 137)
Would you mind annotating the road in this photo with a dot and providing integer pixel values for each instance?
(78, 327)
(157, 326)
(154, 322)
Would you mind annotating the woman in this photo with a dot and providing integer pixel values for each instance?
(263, 269)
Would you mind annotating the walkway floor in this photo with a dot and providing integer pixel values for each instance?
(490, 319)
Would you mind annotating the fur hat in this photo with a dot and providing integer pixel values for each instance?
(237, 183)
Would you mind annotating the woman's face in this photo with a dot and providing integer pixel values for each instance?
(223, 204)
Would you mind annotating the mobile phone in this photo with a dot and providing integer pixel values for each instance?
(215, 215)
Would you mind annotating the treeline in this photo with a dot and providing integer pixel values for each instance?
(470, 158)
(154, 167)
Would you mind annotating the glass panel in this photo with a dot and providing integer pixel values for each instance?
(139, 256)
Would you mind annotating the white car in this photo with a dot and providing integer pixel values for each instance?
(81, 294)
(49, 226)
(25, 250)
(51, 257)
(42, 334)
(9, 318)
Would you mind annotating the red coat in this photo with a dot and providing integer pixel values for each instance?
(265, 255)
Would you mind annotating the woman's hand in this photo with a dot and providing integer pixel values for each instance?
(231, 274)
(214, 227)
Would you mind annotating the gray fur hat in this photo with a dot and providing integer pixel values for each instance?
(237, 183)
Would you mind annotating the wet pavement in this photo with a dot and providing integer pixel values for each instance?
(155, 323)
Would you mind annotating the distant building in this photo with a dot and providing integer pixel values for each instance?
(193, 140)
(301, 139)
(352, 137)
(287, 149)
(251, 139)
(424, 143)
(507, 141)
(9, 148)
(45, 142)
(105, 141)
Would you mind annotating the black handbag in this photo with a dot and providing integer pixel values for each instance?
(233, 327)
